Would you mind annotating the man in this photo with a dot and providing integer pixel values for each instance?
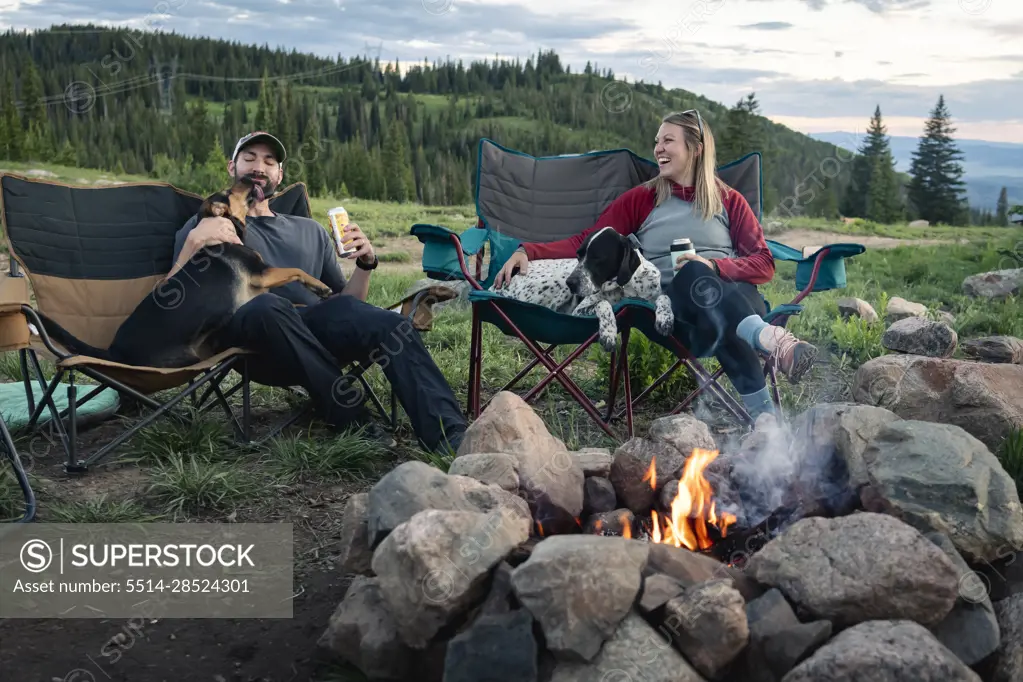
(306, 345)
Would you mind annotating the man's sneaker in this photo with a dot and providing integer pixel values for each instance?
(792, 356)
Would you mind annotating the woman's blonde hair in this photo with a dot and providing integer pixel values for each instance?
(702, 155)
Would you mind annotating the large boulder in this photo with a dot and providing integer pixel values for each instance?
(997, 349)
(1009, 667)
(579, 588)
(857, 568)
(883, 651)
(937, 477)
(435, 566)
(550, 479)
(635, 652)
(984, 399)
(415, 486)
(996, 284)
(920, 336)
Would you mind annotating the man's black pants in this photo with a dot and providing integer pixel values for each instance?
(306, 346)
(710, 309)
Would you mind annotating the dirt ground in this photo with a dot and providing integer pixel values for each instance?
(175, 650)
(797, 239)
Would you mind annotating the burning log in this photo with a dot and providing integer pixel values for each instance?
(692, 508)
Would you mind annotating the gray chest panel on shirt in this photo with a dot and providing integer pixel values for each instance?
(675, 219)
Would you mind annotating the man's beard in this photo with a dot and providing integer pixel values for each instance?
(264, 181)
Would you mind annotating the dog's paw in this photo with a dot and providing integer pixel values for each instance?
(321, 290)
(664, 318)
(665, 325)
(608, 341)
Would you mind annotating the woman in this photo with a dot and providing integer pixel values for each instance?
(715, 290)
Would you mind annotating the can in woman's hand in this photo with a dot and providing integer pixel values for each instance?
(678, 247)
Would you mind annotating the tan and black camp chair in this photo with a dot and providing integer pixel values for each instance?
(91, 254)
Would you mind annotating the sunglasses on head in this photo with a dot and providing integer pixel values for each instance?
(699, 119)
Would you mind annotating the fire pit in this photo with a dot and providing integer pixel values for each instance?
(669, 558)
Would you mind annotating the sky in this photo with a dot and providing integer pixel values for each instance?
(815, 65)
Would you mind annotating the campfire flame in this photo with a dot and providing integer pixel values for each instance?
(693, 507)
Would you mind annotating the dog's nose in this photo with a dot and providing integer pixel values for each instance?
(573, 283)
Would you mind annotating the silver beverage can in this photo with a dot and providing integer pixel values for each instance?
(678, 247)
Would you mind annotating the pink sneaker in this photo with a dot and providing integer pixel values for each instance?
(792, 356)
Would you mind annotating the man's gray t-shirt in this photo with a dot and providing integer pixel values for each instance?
(286, 241)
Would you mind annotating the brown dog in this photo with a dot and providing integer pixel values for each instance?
(178, 323)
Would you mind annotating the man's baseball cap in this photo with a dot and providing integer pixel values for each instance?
(260, 136)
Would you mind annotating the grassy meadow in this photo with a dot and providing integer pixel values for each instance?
(198, 472)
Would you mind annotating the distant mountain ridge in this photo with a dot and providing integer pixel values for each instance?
(988, 166)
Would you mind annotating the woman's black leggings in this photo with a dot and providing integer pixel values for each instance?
(707, 311)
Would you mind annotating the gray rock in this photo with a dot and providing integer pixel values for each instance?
(490, 468)
(496, 648)
(658, 590)
(691, 568)
(356, 556)
(579, 588)
(684, 432)
(611, 523)
(998, 349)
(1009, 666)
(899, 309)
(937, 477)
(363, 633)
(668, 494)
(970, 631)
(634, 653)
(997, 284)
(708, 625)
(598, 496)
(631, 467)
(883, 651)
(415, 486)
(777, 640)
(857, 568)
(594, 461)
(984, 399)
(433, 567)
(919, 336)
(549, 478)
(856, 307)
(841, 431)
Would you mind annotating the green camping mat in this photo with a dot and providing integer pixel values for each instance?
(14, 404)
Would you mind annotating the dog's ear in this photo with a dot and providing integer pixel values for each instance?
(630, 263)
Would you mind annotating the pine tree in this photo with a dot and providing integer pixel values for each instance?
(873, 147)
(14, 136)
(1002, 209)
(315, 157)
(937, 190)
(743, 132)
(882, 201)
(396, 167)
(38, 144)
(266, 114)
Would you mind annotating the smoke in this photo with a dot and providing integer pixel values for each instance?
(784, 471)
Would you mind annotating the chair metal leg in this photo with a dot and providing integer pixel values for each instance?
(475, 364)
(19, 471)
(246, 402)
(627, 380)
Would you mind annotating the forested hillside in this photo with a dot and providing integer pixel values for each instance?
(172, 106)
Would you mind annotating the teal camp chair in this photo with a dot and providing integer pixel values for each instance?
(522, 198)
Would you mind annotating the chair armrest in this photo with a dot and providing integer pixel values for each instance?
(470, 241)
(444, 251)
(14, 329)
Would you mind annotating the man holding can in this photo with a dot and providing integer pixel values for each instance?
(301, 340)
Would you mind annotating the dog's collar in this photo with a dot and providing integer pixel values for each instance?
(635, 242)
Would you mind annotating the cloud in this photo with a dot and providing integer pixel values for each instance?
(769, 26)
(876, 6)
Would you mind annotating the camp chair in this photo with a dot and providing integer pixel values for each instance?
(91, 254)
(522, 198)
